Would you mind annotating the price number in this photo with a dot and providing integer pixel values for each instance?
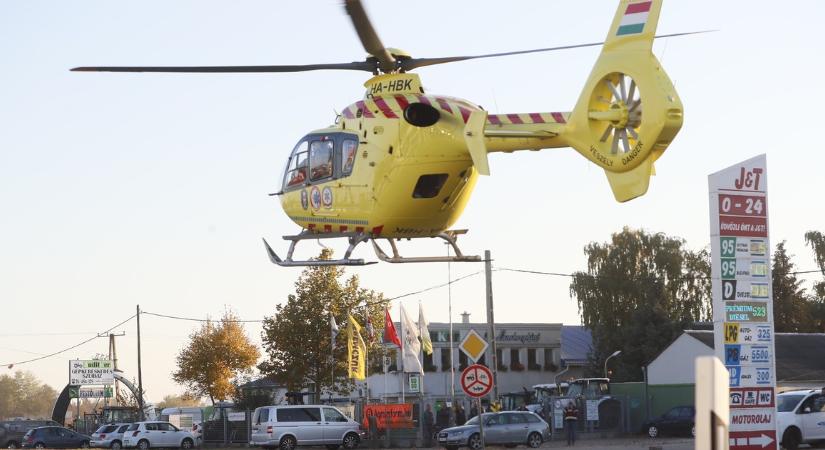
(728, 245)
(728, 268)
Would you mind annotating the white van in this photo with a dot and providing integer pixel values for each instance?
(288, 426)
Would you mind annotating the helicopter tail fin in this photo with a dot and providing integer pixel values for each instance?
(628, 112)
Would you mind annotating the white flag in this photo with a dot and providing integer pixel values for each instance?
(424, 332)
(333, 329)
(411, 345)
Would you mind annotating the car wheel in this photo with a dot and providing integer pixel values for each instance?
(143, 444)
(84, 444)
(40, 445)
(474, 442)
(288, 443)
(187, 444)
(693, 430)
(534, 440)
(12, 444)
(116, 445)
(653, 431)
(350, 441)
(791, 439)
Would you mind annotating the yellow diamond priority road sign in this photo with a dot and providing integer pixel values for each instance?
(473, 345)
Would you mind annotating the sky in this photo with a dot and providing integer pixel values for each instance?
(151, 189)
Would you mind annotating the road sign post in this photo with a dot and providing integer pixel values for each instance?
(743, 300)
(477, 381)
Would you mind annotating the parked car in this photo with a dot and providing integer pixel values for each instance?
(109, 436)
(145, 435)
(502, 428)
(800, 418)
(13, 430)
(679, 420)
(288, 426)
(54, 437)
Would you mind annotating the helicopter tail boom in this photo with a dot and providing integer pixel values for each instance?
(628, 112)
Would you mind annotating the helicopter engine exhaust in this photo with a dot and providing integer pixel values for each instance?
(421, 115)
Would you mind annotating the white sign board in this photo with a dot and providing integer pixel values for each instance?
(712, 407)
(91, 372)
(592, 410)
(743, 300)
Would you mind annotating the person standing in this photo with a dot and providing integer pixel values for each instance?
(571, 418)
(460, 416)
(473, 411)
(428, 425)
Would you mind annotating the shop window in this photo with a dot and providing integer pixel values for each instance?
(445, 360)
(531, 360)
(499, 360)
(429, 366)
(550, 360)
(462, 360)
(515, 363)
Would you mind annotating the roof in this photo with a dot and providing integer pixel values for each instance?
(576, 344)
(263, 382)
(799, 356)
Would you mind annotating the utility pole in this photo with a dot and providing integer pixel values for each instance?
(488, 276)
(113, 358)
(140, 374)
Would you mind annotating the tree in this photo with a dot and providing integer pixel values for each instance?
(791, 310)
(24, 395)
(639, 291)
(184, 400)
(817, 242)
(216, 354)
(297, 338)
(817, 300)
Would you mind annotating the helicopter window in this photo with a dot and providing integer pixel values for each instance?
(348, 155)
(296, 170)
(320, 159)
(428, 186)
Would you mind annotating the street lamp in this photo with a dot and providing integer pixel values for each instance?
(616, 353)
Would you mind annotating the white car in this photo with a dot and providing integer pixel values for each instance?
(800, 418)
(145, 435)
(109, 436)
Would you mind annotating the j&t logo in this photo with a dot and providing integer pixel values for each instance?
(748, 179)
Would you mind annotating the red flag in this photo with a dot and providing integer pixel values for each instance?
(390, 336)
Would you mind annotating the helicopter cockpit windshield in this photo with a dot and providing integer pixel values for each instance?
(320, 158)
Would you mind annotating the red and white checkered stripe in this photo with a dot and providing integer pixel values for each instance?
(392, 107)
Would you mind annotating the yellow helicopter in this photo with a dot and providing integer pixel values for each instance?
(402, 163)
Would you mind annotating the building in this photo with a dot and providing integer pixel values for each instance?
(800, 363)
(527, 354)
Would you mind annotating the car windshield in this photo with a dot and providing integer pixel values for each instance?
(474, 420)
(787, 403)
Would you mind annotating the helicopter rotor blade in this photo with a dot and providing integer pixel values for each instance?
(369, 38)
(414, 63)
(364, 66)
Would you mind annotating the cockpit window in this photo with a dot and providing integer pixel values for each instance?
(348, 156)
(320, 159)
(296, 170)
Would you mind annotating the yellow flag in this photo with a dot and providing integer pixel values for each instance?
(356, 351)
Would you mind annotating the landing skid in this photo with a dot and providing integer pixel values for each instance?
(354, 239)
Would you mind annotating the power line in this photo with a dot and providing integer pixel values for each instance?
(10, 365)
(192, 319)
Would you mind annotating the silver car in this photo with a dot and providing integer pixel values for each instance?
(109, 436)
(502, 428)
(286, 427)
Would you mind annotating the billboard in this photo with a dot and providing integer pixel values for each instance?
(91, 372)
(743, 299)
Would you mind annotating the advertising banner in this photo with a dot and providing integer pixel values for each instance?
(389, 415)
(743, 299)
(91, 372)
